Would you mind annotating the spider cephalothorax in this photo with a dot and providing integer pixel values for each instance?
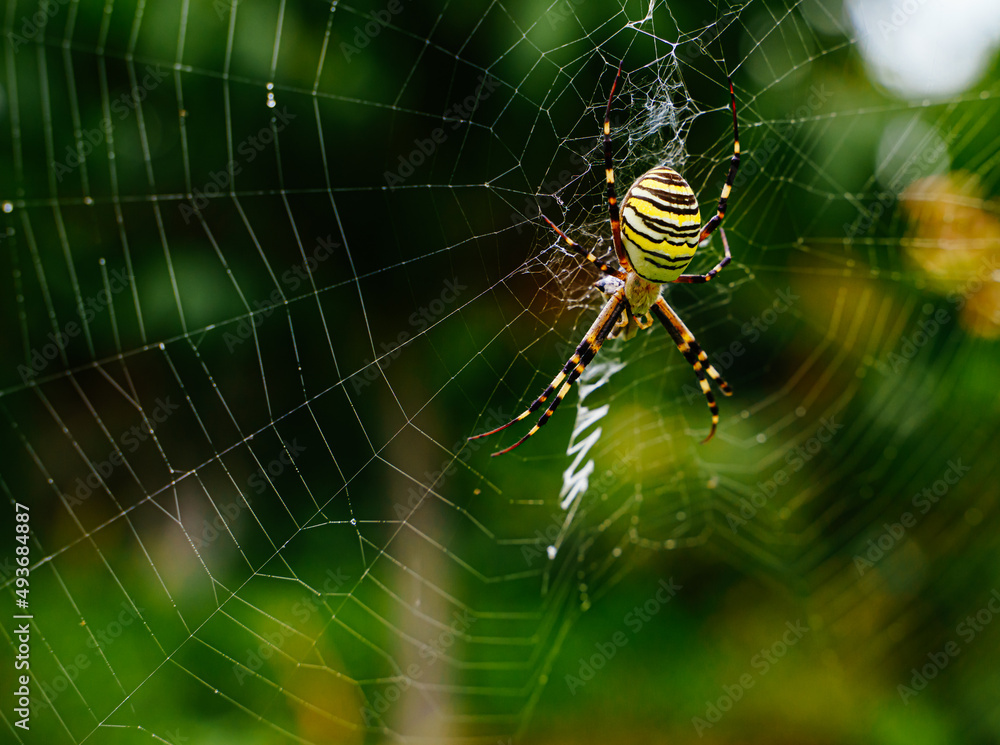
(656, 234)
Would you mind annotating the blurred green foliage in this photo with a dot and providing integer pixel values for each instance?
(340, 288)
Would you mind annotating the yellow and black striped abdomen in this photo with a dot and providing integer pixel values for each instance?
(660, 224)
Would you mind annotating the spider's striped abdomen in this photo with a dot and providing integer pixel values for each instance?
(660, 224)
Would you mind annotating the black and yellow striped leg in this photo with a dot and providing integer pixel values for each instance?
(604, 267)
(585, 352)
(734, 165)
(609, 174)
(695, 356)
(700, 278)
(690, 342)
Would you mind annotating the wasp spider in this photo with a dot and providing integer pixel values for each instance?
(655, 235)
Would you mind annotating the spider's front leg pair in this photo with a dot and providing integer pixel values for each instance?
(574, 367)
(609, 320)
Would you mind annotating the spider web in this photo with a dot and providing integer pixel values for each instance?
(269, 264)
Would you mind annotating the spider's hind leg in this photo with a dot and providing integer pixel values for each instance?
(695, 356)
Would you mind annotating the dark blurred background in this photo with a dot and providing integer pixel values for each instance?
(267, 265)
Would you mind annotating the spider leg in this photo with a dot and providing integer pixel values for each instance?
(585, 352)
(585, 253)
(695, 356)
(629, 325)
(734, 165)
(690, 345)
(609, 174)
(621, 325)
(625, 328)
(701, 278)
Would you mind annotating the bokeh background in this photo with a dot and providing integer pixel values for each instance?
(267, 265)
